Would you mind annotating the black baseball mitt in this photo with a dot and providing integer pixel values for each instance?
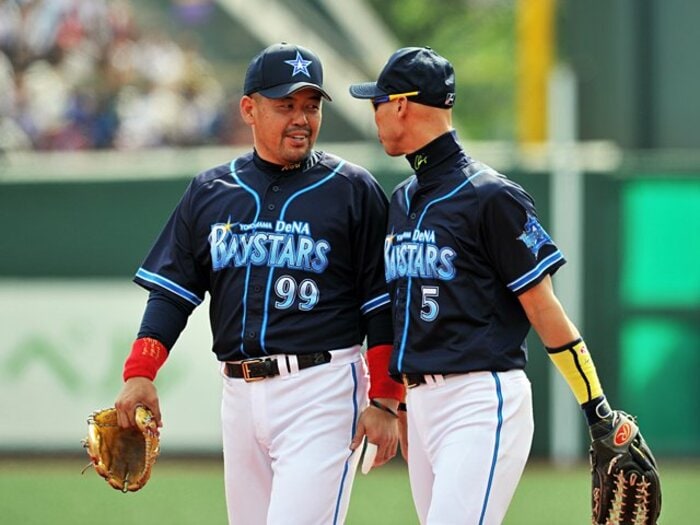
(626, 485)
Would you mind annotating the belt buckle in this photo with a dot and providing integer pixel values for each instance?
(246, 373)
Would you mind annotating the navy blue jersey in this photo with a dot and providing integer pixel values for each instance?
(292, 259)
(462, 242)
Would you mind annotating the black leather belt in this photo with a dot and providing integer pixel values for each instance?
(258, 369)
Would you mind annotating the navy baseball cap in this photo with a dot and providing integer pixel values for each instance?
(410, 70)
(281, 69)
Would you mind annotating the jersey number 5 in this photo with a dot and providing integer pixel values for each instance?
(429, 307)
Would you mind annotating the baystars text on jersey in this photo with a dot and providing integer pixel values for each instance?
(262, 243)
(416, 254)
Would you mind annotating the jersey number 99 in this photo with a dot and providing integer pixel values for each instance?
(288, 290)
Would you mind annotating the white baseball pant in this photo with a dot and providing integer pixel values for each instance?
(286, 442)
(469, 436)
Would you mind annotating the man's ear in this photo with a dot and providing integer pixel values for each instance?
(402, 107)
(247, 107)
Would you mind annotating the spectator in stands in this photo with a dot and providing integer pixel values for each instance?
(77, 74)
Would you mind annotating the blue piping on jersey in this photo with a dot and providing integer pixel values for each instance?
(405, 193)
(375, 303)
(496, 446)
(352, 434)
(313, 186)
(169, 285)
(404, 335)
(247, 270)
(536, 272)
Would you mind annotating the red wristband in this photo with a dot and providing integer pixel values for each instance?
(380, 383)
(146, 358)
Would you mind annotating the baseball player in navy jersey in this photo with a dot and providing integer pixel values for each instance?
(469, 271)
(287, 241)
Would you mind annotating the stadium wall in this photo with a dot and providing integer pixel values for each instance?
(73, 234)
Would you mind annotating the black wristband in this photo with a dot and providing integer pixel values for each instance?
(383, 407)
(596, 410)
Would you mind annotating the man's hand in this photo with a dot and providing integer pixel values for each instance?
(137, 391)
(380, 428)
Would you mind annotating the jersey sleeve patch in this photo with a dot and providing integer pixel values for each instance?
(534, 235)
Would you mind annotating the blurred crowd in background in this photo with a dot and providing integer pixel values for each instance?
(81, 74)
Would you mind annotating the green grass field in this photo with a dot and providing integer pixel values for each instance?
(190, 492)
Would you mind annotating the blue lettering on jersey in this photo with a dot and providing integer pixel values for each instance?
(534, 236)
(282, 245)
(293, 227)
(416, 254)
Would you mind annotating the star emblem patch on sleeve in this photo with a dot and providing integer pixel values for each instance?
(534, 236)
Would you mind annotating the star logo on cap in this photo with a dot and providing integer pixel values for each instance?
(299, 65)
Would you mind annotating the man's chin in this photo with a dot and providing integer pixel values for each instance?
(297, 155)
(389, 150)
(392, 152)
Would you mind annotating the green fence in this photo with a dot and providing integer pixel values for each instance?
(641, 275)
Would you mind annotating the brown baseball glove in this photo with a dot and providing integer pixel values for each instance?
(626, 485)
(123, 456)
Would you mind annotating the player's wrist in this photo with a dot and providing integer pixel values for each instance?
(146, 357)
(381, 384)
(385, 406)
(598, 414)
(388, 401)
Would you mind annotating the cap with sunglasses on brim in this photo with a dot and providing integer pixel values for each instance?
(418, 73)
(282, 69)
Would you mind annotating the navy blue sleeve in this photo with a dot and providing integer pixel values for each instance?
(171, 266)
(370, 220)
(164, 318)
(380, 329)
(520, 249)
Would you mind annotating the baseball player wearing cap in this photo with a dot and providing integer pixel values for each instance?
(288, 242)
(469, 271)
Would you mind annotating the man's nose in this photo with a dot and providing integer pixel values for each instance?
(300, 117)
